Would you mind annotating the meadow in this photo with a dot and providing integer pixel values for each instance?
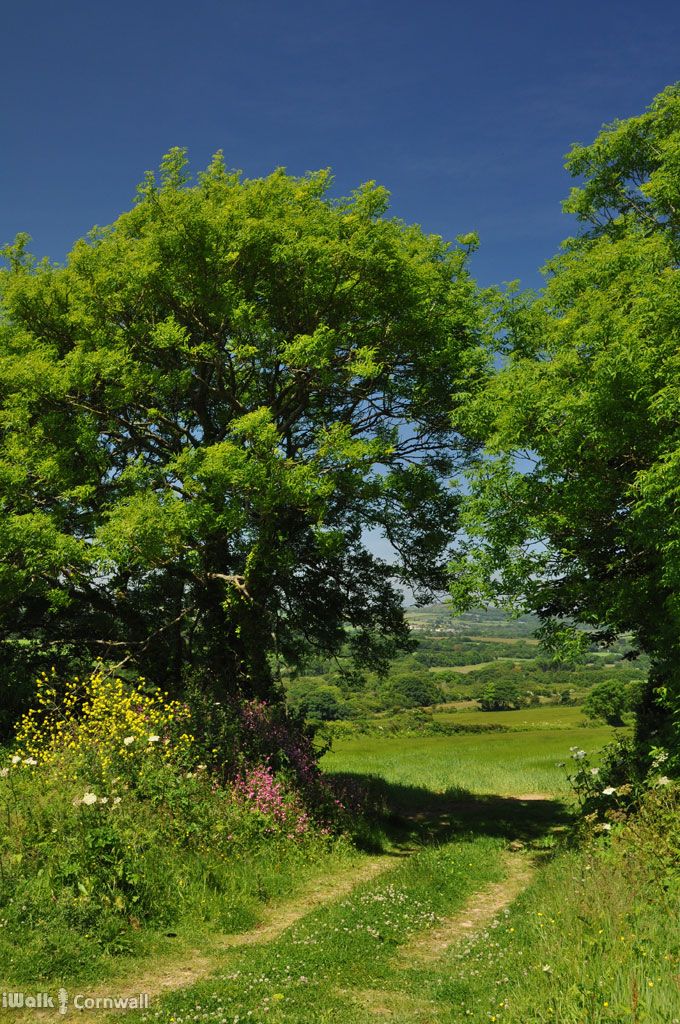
(530, 759)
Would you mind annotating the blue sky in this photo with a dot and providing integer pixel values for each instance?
(463, 111)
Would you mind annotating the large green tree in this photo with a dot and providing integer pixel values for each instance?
(206, 407)
(574, 514)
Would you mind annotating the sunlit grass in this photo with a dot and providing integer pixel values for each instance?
(504, 763)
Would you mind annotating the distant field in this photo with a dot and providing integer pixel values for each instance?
(462, 669)
(542, 717)
(506, 640)
(503, 763)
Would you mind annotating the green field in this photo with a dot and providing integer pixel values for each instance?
(506, 763)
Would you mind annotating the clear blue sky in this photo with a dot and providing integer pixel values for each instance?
(462, 110)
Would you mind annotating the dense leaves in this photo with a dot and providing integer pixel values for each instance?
(575, 515)
(205, 408)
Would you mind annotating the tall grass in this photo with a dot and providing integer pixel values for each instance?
(503, 763)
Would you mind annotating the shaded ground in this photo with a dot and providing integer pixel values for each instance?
(415, 814)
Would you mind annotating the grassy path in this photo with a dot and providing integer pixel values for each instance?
(479, 911)
(355, 956)
(469, 929)
(173, 972)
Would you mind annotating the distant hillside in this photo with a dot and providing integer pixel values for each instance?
(492, 622)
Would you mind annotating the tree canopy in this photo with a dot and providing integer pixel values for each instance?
(204, 409)
(574, 513)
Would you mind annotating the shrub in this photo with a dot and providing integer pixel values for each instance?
(318, 702)
(502, 695)
(105, 728)
(607, 701)
(412, 691)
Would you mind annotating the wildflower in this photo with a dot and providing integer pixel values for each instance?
(608, 790)
(547, 968)
(16, 759)
(594, 771)
(128, 740)
(116, 801)
(154, 739)
(663, 780)
(30, 760)
(607, 826)
(4, 772)
(103, 799)
(89, 798)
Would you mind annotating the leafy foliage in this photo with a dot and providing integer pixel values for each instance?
(607, 701)
(502, 695)
(205, 407)
(411, 690)
(573, 516)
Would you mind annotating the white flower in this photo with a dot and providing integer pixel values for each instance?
(89, 798)
(154, 739)
(594, 771)
(608, 790)
(663, 780)
(103, 799)
(116, 801)
(30, 760)
(128, 740)
(578, 755)
(16, 759)
(4, 772)
(547, 968)
(607, 827)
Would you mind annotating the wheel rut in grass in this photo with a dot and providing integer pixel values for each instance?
(480, 910)
(176, 974)
(170, 974)
(426, 948)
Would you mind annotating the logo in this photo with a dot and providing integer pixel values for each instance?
(62, 1001)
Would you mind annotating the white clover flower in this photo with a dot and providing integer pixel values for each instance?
(128, 740)
(608, 791)
(89, 798)
(154, 739)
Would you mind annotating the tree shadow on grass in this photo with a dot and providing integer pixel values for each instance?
(415, 815)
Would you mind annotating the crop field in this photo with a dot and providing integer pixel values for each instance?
(526, 760)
